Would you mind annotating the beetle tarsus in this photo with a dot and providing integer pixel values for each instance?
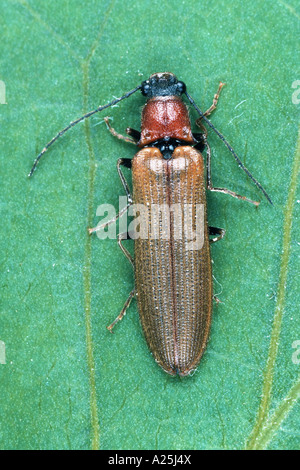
(214, 103)
(116, 134)
(123, 311)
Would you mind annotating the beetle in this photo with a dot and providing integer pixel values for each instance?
(173, 283)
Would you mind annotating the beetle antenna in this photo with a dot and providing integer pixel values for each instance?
(73, 123)
(229, 147)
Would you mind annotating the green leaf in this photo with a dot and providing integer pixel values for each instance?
(67, 382)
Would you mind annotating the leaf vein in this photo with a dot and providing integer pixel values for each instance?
(262, 424)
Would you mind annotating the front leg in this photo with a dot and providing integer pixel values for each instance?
(130, 140)
(214, 104)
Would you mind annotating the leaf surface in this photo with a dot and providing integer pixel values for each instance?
(68, 383)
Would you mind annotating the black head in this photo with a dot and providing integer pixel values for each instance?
(162, 84)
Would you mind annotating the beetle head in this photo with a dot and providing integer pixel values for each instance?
(162, 84)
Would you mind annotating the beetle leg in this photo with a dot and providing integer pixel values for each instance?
(116, 134)
(201, 140)
(111, 221)
(125, 236)
(214, 104)
(127, 163)
(201, 137)
(216, 231)
(135, 134)
(217, 300)
(221, 190)
(123, 311)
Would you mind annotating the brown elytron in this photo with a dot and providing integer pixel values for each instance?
(173, 282)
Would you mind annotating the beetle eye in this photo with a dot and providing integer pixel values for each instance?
(145, 88)
(181, 87)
